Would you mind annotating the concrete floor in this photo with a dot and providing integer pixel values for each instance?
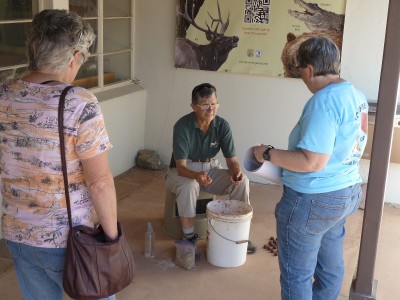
(141, 199)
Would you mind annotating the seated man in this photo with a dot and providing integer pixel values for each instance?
(198, 137)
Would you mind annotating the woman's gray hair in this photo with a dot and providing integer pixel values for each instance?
(54, 38)
(321, 53)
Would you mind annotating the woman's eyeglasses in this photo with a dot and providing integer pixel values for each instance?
(212, 106)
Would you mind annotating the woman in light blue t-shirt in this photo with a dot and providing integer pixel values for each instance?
(321, 179)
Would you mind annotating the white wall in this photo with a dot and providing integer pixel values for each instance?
(392, 193)
(124, 117)
(363, 41)
(259, 109)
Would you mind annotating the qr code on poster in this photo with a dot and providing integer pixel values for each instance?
(256, 11)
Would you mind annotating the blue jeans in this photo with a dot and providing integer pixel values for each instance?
(39, 271)
(310, 232)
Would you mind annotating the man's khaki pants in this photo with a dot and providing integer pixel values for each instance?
(187, 190)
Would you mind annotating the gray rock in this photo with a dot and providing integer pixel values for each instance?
(149, 159)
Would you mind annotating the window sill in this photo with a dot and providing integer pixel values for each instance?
(118, 92)
(93, 81)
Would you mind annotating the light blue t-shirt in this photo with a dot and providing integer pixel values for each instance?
(334, 121)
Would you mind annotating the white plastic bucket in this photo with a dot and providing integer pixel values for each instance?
(228, 227)
(267, 170)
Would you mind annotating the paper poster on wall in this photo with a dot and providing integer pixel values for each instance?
(257, 37)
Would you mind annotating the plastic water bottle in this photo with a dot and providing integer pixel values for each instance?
(149, 241)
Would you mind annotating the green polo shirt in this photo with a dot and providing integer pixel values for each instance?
(190, 142)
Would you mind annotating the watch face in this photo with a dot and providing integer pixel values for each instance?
(266, 155)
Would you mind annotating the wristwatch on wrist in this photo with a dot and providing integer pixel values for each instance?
(266, 155)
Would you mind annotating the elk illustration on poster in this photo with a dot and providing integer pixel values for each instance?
(257, 37)
(211, 56)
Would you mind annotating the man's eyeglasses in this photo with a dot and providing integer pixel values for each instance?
(212, 106)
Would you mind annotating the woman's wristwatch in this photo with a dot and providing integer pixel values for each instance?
(266, 155)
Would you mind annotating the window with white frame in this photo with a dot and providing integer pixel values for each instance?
(15, 20)
(111, 62)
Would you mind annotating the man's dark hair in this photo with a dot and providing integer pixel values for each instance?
(203, 90)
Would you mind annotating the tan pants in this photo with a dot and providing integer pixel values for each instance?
(187, 190)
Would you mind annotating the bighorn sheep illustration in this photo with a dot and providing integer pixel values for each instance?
(211, 56)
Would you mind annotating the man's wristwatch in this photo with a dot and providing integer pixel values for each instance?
(266, 155)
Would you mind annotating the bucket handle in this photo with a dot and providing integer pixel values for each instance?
(236, 242)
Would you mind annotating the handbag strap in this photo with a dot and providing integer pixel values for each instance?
(62, 149)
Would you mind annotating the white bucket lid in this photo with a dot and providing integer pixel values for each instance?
(229, 210)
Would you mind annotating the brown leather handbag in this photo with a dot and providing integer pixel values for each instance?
(93, 268)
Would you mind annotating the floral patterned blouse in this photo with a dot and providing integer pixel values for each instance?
(34, 208)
